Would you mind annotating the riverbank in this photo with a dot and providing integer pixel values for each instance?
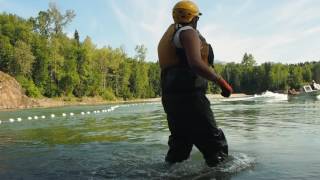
(72, 101)
(65, 101)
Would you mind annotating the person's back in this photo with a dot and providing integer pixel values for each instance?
(183, 58)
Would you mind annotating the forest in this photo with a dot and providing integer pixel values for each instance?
(48, 63)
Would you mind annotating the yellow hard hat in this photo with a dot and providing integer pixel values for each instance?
(184, 11)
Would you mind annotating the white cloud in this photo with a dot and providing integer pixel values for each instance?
(313, 30)
(296, 13)
(281, 32)
(70, 34)
(144, 21)
(268, 33)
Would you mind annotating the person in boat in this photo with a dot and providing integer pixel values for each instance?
(184, 57)
(314, 85)
(292, 91)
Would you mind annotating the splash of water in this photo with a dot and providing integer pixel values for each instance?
(272, 97)
(236, 162)
(267, 96)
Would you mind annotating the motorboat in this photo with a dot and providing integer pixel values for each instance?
(305, 92)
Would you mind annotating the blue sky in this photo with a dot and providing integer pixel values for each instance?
(286, 31)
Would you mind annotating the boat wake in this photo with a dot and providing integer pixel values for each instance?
(271, 96)
(267, 96)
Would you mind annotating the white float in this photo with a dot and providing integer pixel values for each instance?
(52, 115)
(19, 119)
(11, 120)
(43, 117)
(29, 118)
(82, 113)
(71, 114)
(64, 114)
(36, 117)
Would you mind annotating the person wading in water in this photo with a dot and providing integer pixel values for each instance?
(184, 58)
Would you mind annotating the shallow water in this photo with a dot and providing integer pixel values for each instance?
(269, 138)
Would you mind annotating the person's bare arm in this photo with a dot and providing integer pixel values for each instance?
(191, 44)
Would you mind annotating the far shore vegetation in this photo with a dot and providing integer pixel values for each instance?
(48, 63)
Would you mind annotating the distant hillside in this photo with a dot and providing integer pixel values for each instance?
(12, 95)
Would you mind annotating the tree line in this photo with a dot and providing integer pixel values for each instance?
(48, 63)
(248, 77)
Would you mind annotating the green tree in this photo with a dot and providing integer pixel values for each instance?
(141, 52)
(247, 76)
(6, 53)
(154, 79)
(278, 76)
(77, 37)
(124, 77)
(101, 63)
(22, 59)
(85, 68)
(56, 67)
(232, 73)
(248, 61)
(59, 20)
(307, 73)
(40, 72)
(115, 58)
(316, 72)
(295, 78)
(42, 23)
(70, 78)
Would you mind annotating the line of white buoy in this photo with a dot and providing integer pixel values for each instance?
(19, 119)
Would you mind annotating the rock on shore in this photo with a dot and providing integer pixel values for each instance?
(12, 95)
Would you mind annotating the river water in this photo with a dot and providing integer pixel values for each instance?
(269, 138)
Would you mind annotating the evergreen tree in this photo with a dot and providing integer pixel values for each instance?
(77, 37)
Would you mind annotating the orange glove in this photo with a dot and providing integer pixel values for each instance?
(225, 87)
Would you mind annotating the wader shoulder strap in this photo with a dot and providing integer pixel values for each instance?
(176, 37)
